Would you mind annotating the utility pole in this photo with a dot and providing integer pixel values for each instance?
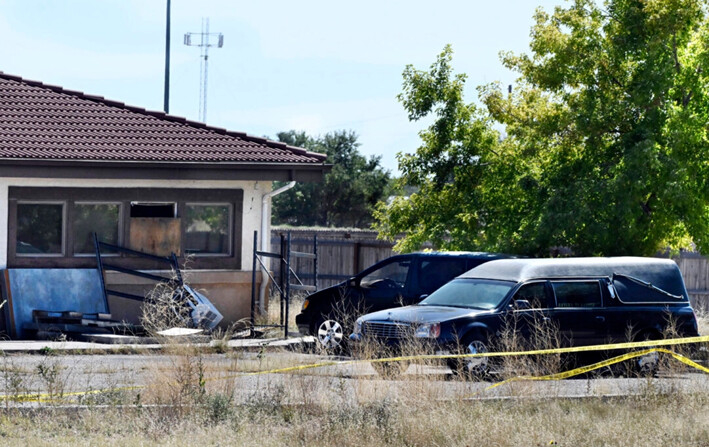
(167, 60)
(204, 44)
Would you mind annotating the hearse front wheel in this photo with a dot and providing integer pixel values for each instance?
(476, 368)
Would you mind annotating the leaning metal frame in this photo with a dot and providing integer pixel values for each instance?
(284, 286)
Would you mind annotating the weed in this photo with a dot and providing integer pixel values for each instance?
(52, 377)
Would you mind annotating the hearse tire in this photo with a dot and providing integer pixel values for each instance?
(476, 368)
(647, 365)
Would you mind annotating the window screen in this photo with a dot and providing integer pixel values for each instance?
(90, 218)
(577, 294)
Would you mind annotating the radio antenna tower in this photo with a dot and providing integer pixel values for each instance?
(205, 41)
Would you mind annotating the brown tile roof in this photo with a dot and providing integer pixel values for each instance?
(45, 122)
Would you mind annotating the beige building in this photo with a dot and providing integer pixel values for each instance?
(72, 164)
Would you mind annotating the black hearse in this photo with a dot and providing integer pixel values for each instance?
(396, 281)
(587, 300)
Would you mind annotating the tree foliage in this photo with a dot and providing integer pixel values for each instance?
(605, 139)
(348, 193)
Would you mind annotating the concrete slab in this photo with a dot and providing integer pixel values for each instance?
(118, 342)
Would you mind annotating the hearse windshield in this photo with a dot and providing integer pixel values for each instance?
(470, 293)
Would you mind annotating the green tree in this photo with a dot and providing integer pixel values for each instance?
(605, 147)
(349, 192)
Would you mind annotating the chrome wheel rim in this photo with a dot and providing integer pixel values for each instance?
(330, 334)
(476, 364)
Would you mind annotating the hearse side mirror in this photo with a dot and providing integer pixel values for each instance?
(522, 304)
(423, 297)
(352, 282)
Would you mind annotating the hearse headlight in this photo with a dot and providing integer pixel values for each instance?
(428, 330)
(357, 327)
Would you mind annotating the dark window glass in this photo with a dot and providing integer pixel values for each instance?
(39, 229)
(436, 272)
(156, 210)
(207, 229)
(577, 294)
(393, 271)
(99, 218)
(535, 293)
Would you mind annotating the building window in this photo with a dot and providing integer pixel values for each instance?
(207, 229)
(52, 227)
(100, 218)
(153, 209)
(40, 229)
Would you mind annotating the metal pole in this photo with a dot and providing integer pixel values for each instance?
(282, 276)
(285, 325)
(99, 266)
(253, 283)
(315, 267)
(167, 60)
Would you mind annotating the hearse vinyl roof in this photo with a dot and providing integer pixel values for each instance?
(662, 273)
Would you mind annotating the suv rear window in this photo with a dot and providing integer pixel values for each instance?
(577, 293)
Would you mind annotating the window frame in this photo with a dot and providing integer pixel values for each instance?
(230, 226)
(71, 195)
(63, 232)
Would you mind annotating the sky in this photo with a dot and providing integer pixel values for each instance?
(314, 66)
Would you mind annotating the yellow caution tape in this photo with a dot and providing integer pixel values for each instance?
(602, 364)
(33, 397)
(49, 397)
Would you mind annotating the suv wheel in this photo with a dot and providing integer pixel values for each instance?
(329, 334)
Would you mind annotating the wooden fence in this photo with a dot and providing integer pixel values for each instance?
(695, 270)
(342, 254)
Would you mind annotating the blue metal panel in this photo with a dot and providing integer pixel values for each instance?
(77, 290)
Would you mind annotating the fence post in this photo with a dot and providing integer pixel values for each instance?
(253, 283)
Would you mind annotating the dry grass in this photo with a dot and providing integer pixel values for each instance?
(265, 420)
(196, 398)
(193, 397)
(703, 322)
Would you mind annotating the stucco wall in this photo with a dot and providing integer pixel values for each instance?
(229, 290)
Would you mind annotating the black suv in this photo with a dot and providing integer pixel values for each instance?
(586, 300)
(396, 281)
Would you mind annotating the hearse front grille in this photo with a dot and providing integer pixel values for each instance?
(378, 329)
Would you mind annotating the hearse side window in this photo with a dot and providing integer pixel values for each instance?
(577, 293)
(535, 293)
